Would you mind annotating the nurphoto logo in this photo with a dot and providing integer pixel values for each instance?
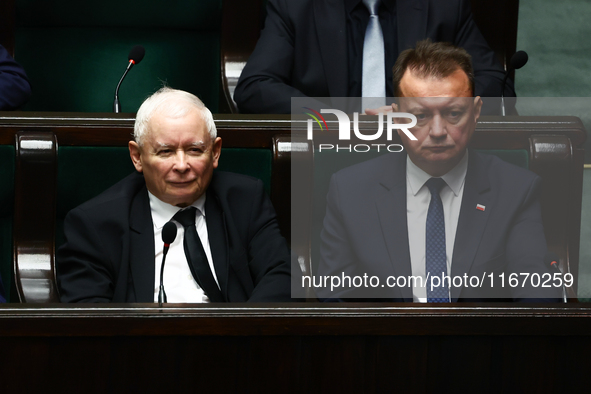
(345, 130)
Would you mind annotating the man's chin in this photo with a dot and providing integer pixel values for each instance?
(182, 199)
(436, 165)
(439, 152)
(434, 160)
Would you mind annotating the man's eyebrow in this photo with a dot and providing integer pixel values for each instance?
(458, 105)
(417, 107)
(165, 145)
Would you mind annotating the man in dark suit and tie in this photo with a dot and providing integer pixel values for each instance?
(228, 247)
(439, 209)
(334, 48)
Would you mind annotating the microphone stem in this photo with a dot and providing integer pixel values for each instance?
(161, 292)
(559, 271)
(503, 92)
(116, 104)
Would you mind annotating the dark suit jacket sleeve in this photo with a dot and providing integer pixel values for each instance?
(336, 255)
(526, 249)
(83, 263)
(2, 293)
(265, 82)
(15, 89)
(269, 260)
(488, 73)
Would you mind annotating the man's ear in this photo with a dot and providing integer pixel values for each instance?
(477, 108)
(216, 151)
(135, 154)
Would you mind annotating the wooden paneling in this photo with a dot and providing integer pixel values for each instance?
(371, 348)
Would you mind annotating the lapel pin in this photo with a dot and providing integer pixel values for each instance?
(480, 207)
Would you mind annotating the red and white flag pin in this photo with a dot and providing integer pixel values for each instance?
(480, 207)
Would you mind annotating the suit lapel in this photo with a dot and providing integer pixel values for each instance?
(216, 231)
(472, 221)
(142, 249)
(329, 16)
(411, 18)
(391, 206)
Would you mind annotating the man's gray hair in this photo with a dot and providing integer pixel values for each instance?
(173, 103)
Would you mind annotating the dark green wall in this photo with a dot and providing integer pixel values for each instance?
(75, 52)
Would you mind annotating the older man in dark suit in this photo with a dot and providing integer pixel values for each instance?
(228, 247)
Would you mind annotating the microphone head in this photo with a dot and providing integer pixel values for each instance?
(136, 54)
(551, 260)
(169, 233)
(518, 60)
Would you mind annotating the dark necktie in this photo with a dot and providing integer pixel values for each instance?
(373, 82)
(196, 255)
(435, 256)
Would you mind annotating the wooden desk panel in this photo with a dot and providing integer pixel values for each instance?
(295, 347)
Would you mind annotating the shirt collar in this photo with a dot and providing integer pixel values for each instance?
(163, 212)
(454, 178)
(351, 4)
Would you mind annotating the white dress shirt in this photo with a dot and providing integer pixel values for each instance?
(418, 198)
(179, 284)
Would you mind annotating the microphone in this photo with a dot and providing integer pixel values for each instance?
(518, 60)
(551, 260)
(135, 56)
(168, 236)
